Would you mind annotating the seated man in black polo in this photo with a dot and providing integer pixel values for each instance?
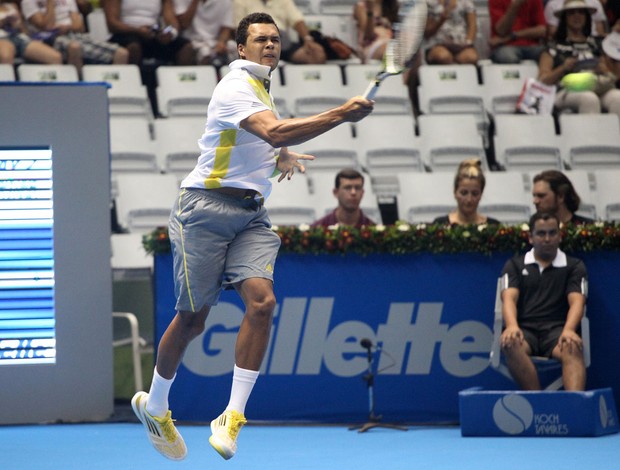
(542, 307)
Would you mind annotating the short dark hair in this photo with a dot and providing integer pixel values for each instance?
(252, 18)
(561, 185)
(542, 216)
(348, 174)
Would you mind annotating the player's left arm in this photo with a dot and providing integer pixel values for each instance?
(288, 161)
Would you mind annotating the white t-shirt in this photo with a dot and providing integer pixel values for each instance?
(140, 12)
(210, 17)
(554, 5)
(63, 9)
(229, 155)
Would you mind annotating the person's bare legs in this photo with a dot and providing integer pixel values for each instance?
(183, 328)
(75, 56)
(469, 55)
(135, 53)
(186, 55)
(121, 56)
(520, 365)
(40, 52)
(259, 300)
(440, 55)
(7, 52)
(573, 367)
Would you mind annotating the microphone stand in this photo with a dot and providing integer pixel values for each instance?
(374, 421)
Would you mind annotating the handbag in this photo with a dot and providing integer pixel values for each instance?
(536, 97)
(335, 49)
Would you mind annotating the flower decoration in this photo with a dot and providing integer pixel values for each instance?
(403, 238)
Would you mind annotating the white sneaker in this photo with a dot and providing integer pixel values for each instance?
(225, 429)
(161, 431)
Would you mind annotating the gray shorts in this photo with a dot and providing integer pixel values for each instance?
(218, 240)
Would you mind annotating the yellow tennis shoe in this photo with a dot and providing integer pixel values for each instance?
(225, 429)
(161, 431)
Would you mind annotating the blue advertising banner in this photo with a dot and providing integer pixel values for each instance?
(429, 315)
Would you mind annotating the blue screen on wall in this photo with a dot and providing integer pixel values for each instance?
(27, 316)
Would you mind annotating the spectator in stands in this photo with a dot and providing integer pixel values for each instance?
(374, 20)
(148, 29)
(554, 193)
(209, 26)
(517, 29)
(450, 32)
(574, 49)
(611, 48)
(287, 16)
(63, 25)
(542, 306)
(599, 22)
(349, 190)
(469, 185)
(15, 42)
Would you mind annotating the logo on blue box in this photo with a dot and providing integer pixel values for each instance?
(554, 414)
(513, 414)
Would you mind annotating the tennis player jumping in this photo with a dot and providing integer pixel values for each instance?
(220, 231)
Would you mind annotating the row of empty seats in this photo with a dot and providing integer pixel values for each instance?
(302, 90)
(386, 145)
(144, 200)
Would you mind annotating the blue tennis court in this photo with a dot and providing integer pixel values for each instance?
(123, 445)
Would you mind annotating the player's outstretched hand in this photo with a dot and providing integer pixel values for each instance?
(357, 108)
(289, 160)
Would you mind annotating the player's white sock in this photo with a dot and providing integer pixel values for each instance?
(242, 384)
(157, 404)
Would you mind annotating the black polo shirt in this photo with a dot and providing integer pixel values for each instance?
(543, 296)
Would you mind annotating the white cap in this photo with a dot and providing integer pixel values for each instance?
(611, 45)
(574, 5)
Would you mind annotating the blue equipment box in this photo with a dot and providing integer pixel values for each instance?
(536, 414)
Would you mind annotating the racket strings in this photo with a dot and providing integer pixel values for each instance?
(409, 31)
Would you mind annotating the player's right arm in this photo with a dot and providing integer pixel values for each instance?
(286, 132)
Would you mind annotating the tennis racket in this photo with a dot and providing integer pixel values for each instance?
(408, 35)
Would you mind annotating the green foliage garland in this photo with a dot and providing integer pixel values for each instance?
(403, 238)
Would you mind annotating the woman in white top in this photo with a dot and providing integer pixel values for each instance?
(450, 32)
(374, 20)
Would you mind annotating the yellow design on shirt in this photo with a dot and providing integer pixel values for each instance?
(221, 164)
(261, 93)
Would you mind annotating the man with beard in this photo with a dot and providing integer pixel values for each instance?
(553, 192)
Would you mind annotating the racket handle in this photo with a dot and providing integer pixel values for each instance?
(372, 89)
